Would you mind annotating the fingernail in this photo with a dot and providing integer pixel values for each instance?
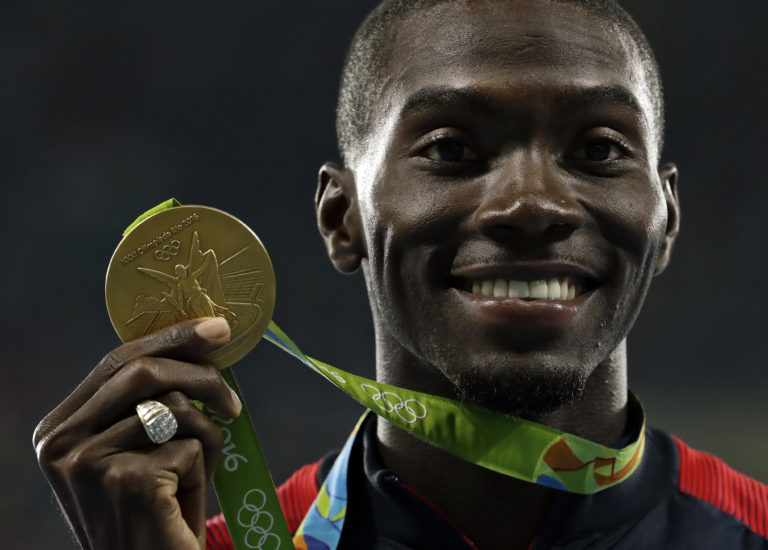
(213, 329)
(236, 399)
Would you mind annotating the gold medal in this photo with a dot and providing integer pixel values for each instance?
(189, 262)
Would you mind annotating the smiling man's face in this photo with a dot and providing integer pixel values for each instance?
(512, 211)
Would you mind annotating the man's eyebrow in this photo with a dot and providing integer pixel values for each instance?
(433, 97)
(473, 100)
(593, 96)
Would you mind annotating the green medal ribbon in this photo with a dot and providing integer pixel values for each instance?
(244, 486)
(512, 446)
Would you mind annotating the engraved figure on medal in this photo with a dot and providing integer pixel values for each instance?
(187, 298)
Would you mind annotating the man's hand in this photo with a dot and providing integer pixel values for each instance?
(117, 489)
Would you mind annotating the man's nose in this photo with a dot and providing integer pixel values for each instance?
(527, 197)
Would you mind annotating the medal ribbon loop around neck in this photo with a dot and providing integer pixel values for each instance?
(509, 445)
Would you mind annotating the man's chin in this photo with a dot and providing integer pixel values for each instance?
(527, 395)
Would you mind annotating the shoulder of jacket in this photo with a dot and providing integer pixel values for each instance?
(709, 479)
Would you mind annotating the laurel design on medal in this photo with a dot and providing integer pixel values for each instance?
(190, 262)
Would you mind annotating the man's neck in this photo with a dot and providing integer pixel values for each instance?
(490, 508)
(600, 413)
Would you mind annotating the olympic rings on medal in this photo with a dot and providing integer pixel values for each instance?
(259, 522)
(167, 251)
(409, 410)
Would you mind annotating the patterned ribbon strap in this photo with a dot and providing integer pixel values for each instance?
(509, 445)
(244, 486)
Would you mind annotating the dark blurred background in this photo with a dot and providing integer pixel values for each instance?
(111, 107)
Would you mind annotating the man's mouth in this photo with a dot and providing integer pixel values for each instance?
(553, 288)
(527, 281)
(540, 295)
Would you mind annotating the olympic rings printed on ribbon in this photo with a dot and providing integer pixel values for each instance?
(340, 379)
(258, 522)
(409, 410)
(167, 251)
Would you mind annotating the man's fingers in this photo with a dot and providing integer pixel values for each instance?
(185, 458)
(188, 341)
(168, 480)
(129, 434)
(194, 423)
(154, 483)
(141, 379)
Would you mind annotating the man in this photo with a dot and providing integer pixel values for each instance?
(502, 193)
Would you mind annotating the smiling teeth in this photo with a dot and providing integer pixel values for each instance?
(543, 289)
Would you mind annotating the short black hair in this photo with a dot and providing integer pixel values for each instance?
(371, 47)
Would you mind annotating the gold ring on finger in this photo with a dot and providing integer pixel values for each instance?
(158, 421)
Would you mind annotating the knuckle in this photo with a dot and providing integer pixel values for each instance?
(38, 436)
(118, 479)
(45, 452)
(208, 381)
(50, 448)
(196, 448)
(177, 401)
(79, 464)
(215, 440)
(113, 480)
(113, 360)
(163, 502)
(139, 370)
(215, 380)
(182, 409)
(189, 452)
(73, 465)
(203, 431)
(173, 336)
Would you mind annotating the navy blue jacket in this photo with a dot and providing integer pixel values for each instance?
(678, 499)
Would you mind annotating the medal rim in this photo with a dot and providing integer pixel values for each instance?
(272, 296)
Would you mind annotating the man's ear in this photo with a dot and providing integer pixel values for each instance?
(338, 217)
(668, 176)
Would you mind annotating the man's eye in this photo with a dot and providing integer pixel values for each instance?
(449, 150)
(599, 150)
